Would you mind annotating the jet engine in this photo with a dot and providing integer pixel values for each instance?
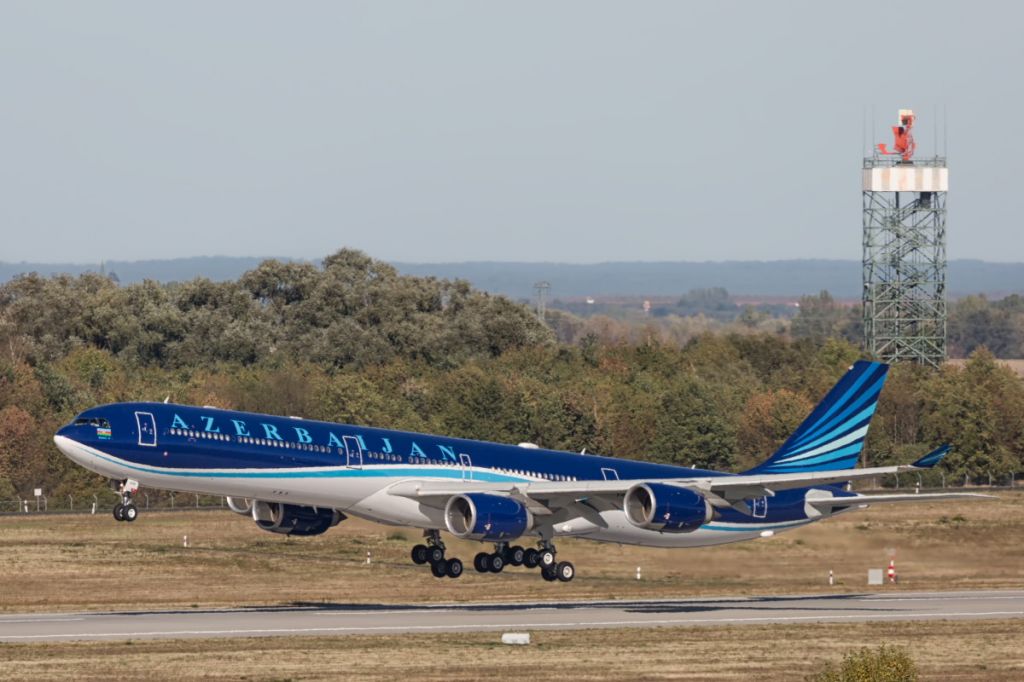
(239, 505)
(480, 516)
(291, 519)
(666, 508)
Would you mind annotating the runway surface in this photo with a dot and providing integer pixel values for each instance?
(350, 619)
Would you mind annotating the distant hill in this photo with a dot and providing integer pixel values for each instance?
(218, 268)
(752, 278)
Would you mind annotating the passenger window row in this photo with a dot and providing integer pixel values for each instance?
(200, 434)
(383, 456)
(287, 445)
(309, 447)
(550, 477)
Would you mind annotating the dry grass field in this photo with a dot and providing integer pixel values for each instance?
(51, 563)
(977, 651)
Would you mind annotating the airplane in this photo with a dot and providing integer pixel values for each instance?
(301, 477)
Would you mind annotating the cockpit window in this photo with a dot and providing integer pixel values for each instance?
(92, 421)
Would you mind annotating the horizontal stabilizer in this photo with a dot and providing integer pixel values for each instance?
(932, 458)
(882, 499)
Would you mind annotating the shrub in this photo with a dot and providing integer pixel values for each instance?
(884, 664)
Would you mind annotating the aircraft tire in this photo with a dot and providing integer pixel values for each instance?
(453, 568)
(482, 562)
(516, 555)
(531, 558)
(119, 512)
(546, 558)
(435, 555)
(130, 512)
(549, 574)
(419, 554)
(496, 562)
(565, 571)
(439, 568)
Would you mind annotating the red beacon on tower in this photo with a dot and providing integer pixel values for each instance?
(903, 142)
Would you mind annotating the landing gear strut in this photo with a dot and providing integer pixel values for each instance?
(125, 510)
(433, 553)
(550, 568)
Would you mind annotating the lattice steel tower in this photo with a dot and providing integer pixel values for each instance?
(904, 262)
(542, 289)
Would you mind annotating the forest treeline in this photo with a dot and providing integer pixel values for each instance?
(353, 341)
(973, 321)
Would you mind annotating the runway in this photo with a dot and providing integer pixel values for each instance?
(369, 619)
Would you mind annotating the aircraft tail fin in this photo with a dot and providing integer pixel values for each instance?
(832, 436)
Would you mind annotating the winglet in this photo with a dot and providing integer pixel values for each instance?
(932, 458)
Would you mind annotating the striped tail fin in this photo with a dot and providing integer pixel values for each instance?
(832, 437)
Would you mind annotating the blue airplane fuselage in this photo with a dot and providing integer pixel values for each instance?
(351, 469)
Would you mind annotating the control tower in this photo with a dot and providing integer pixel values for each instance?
(904, 200)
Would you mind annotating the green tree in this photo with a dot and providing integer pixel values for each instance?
(693, 430)
(978, 410)
(767, 420)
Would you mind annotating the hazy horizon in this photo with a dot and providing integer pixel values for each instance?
(571, 132)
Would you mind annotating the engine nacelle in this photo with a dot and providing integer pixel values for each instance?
(480, 516)
(666, 508)
(239, 505)
(291, 519)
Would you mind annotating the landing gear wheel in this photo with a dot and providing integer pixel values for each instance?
(516, 555)
(435, 554)
(565, 571)
(549, 574)
(129, 512)
(119, 512)
(439, 568)
(546, 558)
(531, 558)
(454, 568)
(497, 562)
(419, 554)
(482, 562)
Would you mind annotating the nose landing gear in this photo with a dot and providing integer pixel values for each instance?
(125, 510)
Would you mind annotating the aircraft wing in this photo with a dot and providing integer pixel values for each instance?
(721, 491)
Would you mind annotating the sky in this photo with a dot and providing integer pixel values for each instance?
(533, 131)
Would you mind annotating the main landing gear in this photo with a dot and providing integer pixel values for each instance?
(125, 510)
(494, 562)
(433, 553)
(550, 568)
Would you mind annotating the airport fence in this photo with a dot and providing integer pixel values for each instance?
(103, 502)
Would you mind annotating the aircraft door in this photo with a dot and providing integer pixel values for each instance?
(147, 428)
(610, 474)
(467, 467)
(759, 507)
(353, 452)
